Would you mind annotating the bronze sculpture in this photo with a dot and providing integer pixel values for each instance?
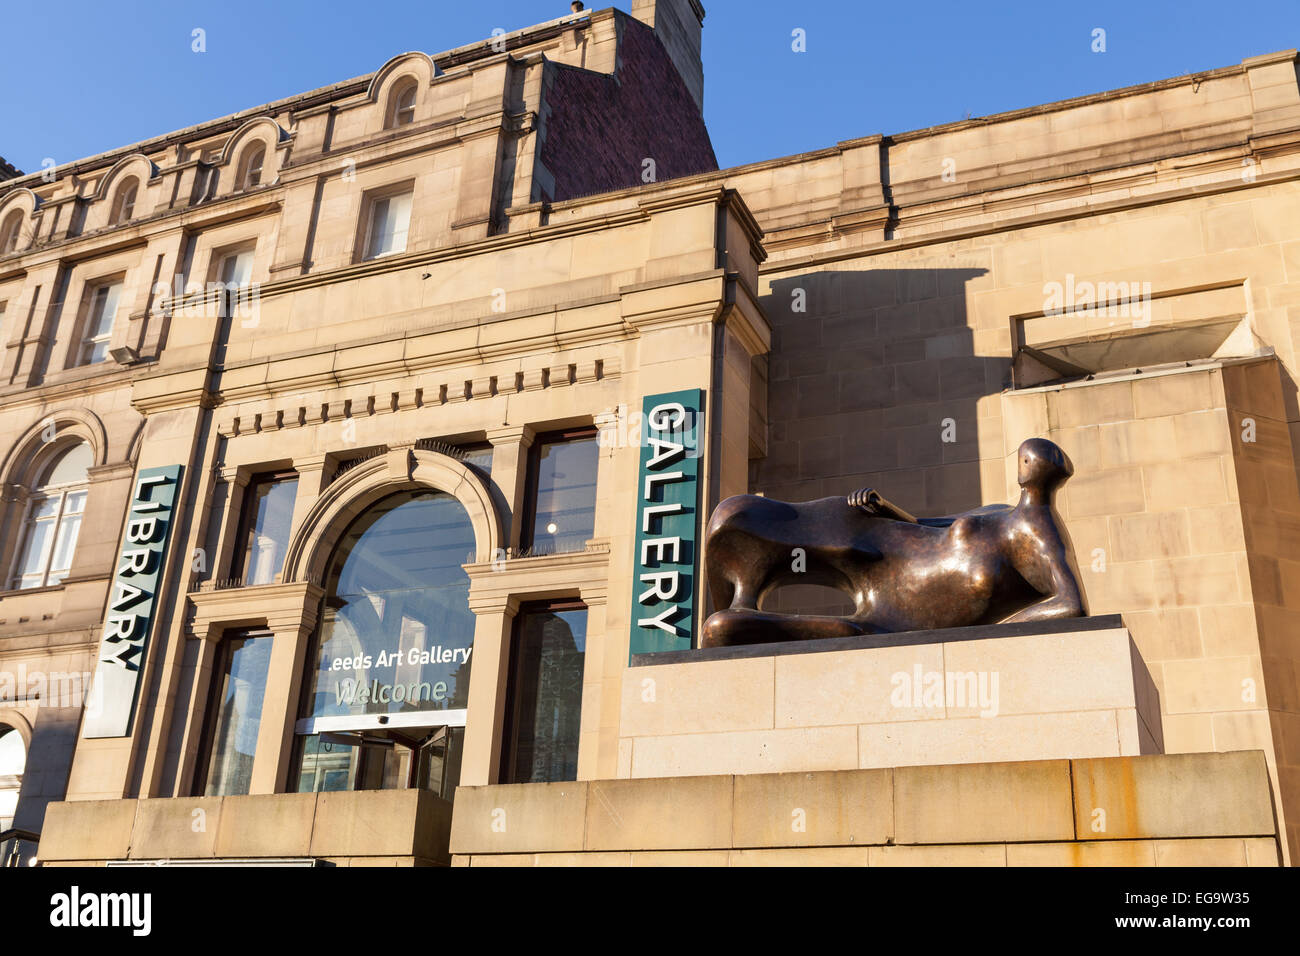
(995, 564)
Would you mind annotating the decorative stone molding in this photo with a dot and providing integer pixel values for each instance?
(298, 410)
(504, 584)
(358, 488)
(277, 606)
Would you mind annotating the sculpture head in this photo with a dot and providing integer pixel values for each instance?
(1041, 464)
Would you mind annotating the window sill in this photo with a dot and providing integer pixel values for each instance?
(20, 592)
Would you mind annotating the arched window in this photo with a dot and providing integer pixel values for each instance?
(124, 203)
(11, 232)
(250, 166)
(401, 104)
(53, 520)
(13, 761)
(384, 707)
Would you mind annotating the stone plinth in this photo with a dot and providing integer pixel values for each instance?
(1211, 809)
(1057, 690)
(1191, 809)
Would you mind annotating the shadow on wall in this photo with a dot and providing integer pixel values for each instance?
(873, 381)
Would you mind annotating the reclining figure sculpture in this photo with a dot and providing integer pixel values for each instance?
(995, 564)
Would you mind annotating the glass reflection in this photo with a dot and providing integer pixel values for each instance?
(396, 637)
(239, 715)
(546, 696)
(270, 505)
(564, 514)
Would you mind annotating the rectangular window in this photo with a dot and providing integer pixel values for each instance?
(235, 713)
(544, 702)
(390, 218)
(236, 268)
(561, 492)
(265, 523)
(100, 312)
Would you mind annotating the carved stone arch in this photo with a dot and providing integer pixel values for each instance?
(418, 64)
(12, 717)
(136, 166)
(31, 446)
(20, 198)
(137, 163)
(259, 127)
(417, 67)
(25, 202)
(348, 496)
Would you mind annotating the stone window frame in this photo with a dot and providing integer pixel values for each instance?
(30, 454)
(11, 227)
(90, 287)
(403, 85)
(254, 151)
(108, 193)
(235, 154)
(380, 101)
(365, 223)
(125, 196)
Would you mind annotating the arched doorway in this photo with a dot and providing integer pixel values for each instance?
(388, 672)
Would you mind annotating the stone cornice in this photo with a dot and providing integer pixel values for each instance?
(495, 586)
(283, 605)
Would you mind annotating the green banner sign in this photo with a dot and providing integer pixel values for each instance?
(667, 522)
(132, 603)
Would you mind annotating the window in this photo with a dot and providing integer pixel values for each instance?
(11, 232)
(561, 492)
(264, 527)
(401, 109)
(13, 761)
(250, 167)
(390, 217)
(53, 520)
(100, 312)
(236, 268)
(124, 204)
(544, 702)
(235, 713)
(388, 677)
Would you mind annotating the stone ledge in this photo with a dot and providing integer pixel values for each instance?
(412, 825)
(1161, 810)
(1255, 851)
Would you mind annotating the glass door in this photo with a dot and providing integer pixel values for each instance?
(424, 758)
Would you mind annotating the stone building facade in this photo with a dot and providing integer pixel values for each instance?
(422, 311)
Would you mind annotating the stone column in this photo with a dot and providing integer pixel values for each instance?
(489, 674)
(236, 481)
(510, 446)
(290, 643)
(311, 484)
(190, 771)
(601, 695)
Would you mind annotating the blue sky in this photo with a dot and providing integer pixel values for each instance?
(115, 73)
